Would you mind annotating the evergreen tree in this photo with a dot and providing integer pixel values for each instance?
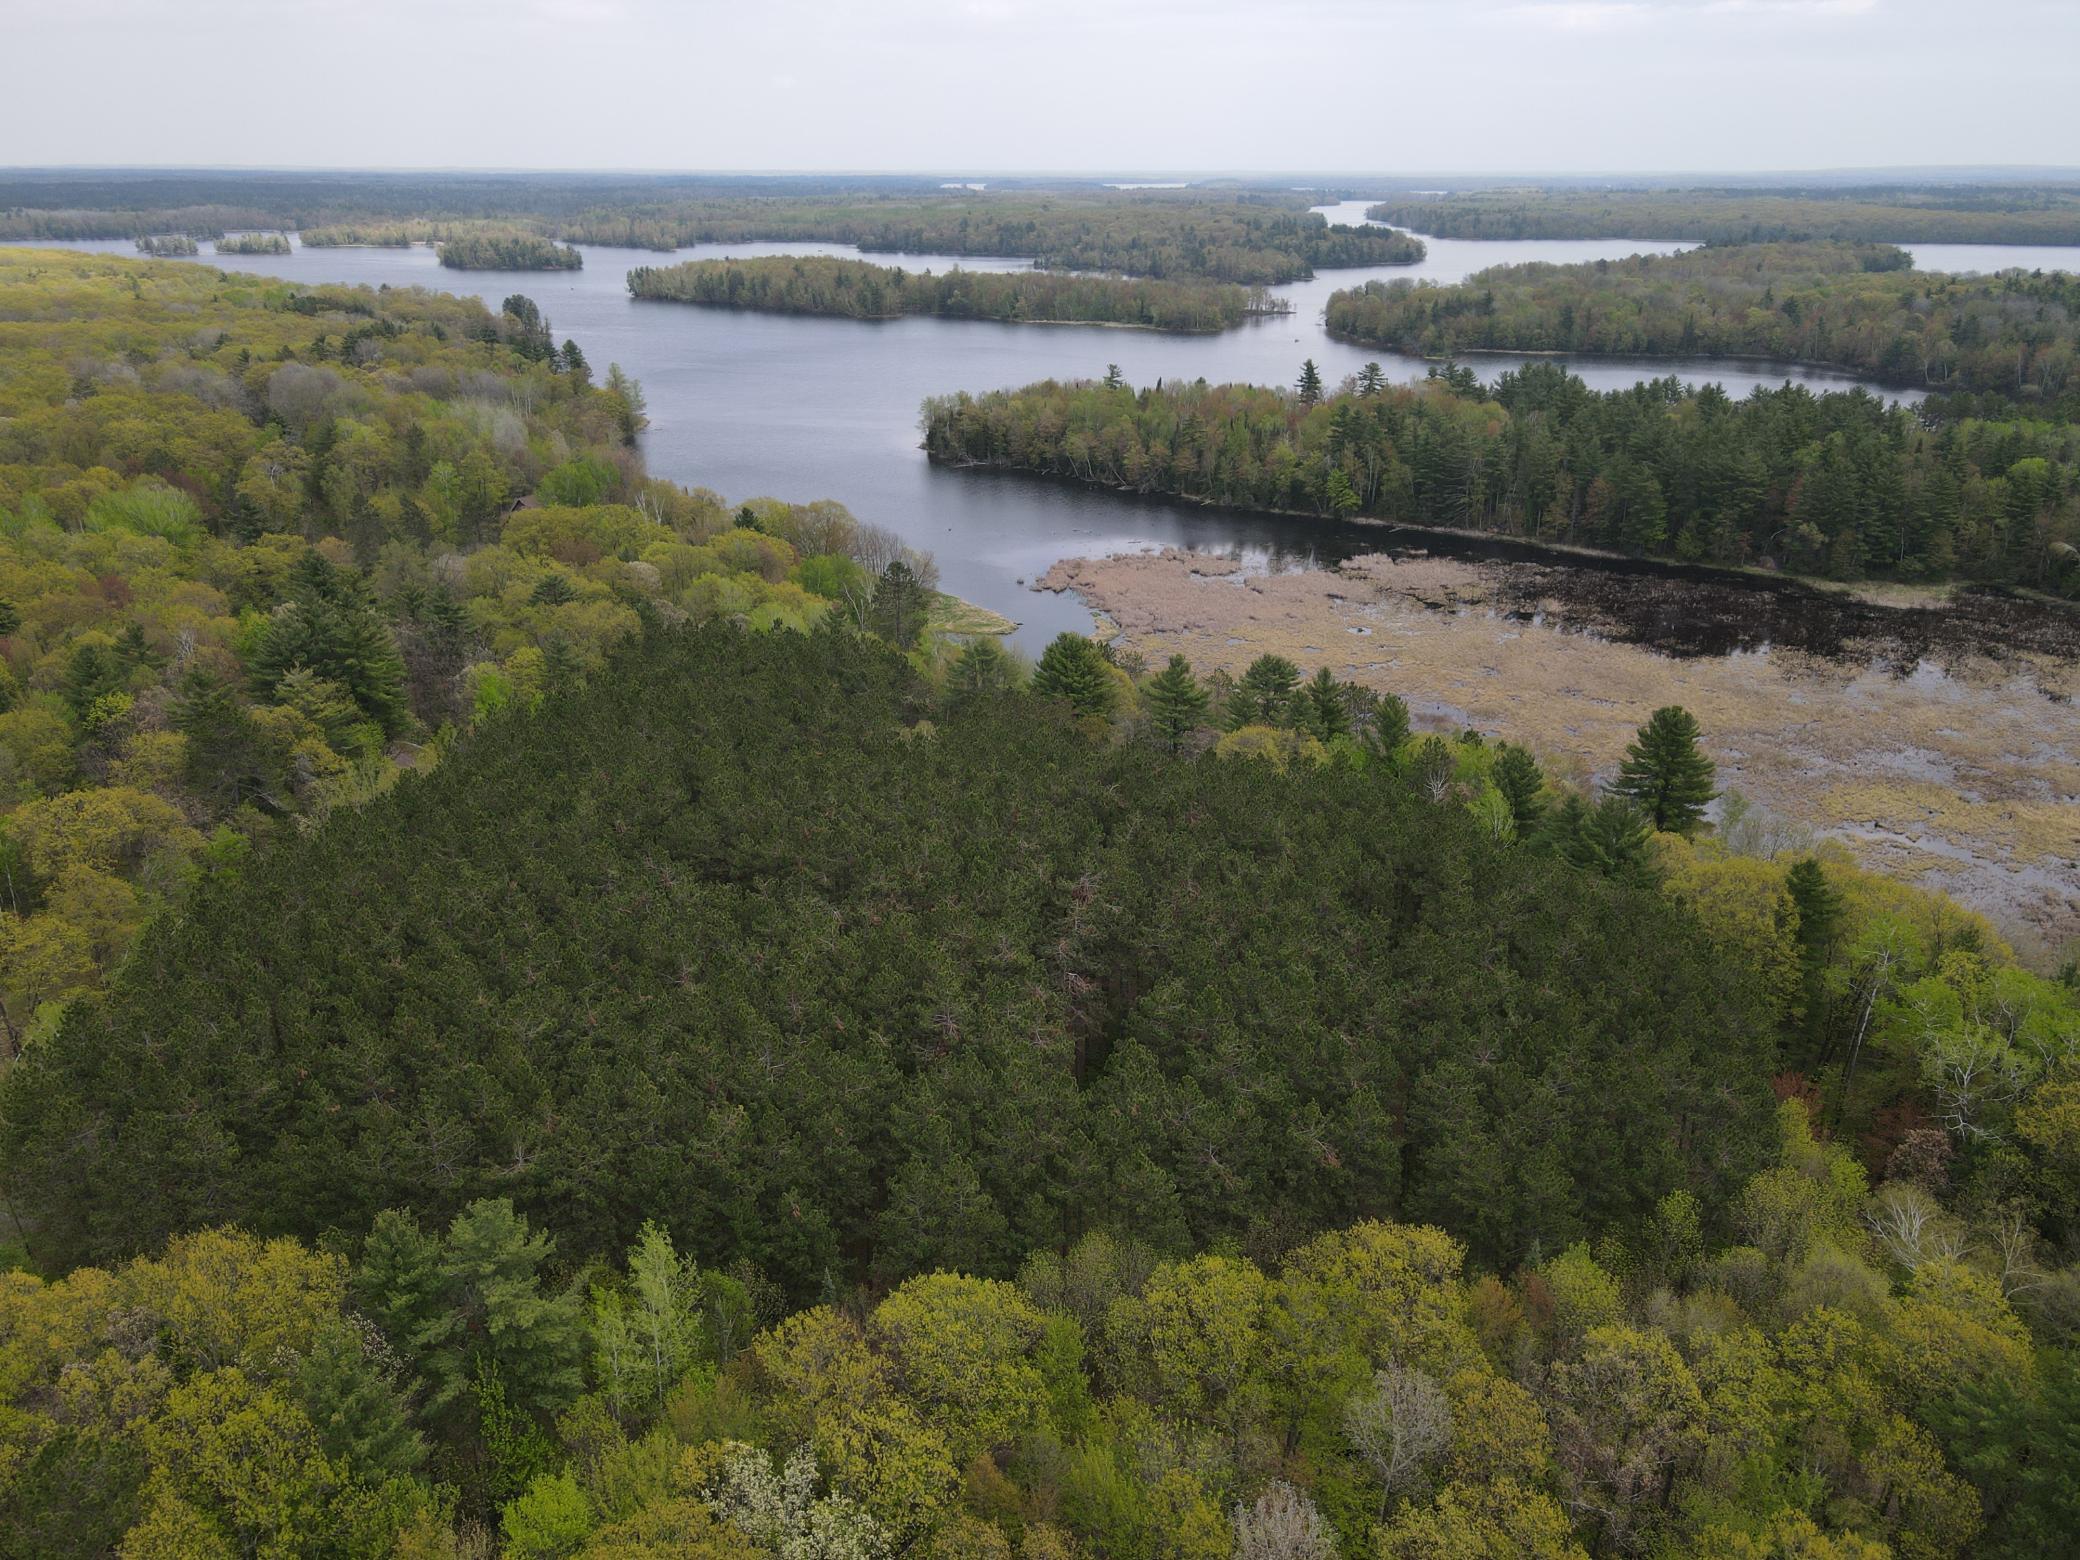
(1176, 701)
(1310, 383)
(1615, 838)
(1388, 727)
(1071, 668)
(1819, 906)
(1323, 712)
(1371, 380)
(981, 670)
(1517, 777)
(330, 626)
(897, 611)
(222, 757)
(1264, 697)
(1113, 381)
(355, 1406)
(1666, 773)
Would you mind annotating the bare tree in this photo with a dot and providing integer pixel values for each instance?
(1283, 1525)
(1912, 1226)
(1399, 1427)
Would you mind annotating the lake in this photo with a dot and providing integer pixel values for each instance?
(799, 407)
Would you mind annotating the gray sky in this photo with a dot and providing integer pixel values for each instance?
(1060, 85)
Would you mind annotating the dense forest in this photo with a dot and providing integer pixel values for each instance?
(490, 250)
(858, 290)
(1855, 306)
(262, 548)
(1838, 483)
(1958, 214)
(1329, 1175)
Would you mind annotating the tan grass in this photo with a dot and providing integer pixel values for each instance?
(1965, 780)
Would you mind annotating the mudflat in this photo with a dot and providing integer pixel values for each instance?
(1941, 759)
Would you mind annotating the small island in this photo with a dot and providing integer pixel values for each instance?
(253, 244)
(508, 252)
(166, 245)
(860, 290)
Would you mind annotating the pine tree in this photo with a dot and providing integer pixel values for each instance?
(1615, 838)
(1517, 777)
(1819, 905)
(1310, 383)
(1072, 669)
(1388, 728)
(1176, 701)
(897, 611)
(222, 757)
(1323, 711)
(1666, 773)
(981, 670)
(1264, 697)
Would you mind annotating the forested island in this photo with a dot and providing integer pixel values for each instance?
(1172, 235)
(1954, 214)
(253, 244)
(1839, 483)
(1857, 306)
(857, 289)
(167, 245)
(482, 250)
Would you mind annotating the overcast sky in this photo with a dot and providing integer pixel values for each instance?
(1057, 85)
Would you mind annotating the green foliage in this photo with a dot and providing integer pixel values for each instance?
(1177, 703)
(791, 872)
(859, 290)
(1073, 670)
(490, 250)
(1666, 773)
(1858, 305)
(1842, 484)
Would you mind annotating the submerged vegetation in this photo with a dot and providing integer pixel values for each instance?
(1861, 307)
(1839, 484)
(857, 290)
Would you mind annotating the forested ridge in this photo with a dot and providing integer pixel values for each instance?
(1837, 483)
(857, 289)
(1860, 307)
(1957, 214)
(262, 547)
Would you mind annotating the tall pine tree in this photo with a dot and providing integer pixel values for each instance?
(1176, 701)
(1666, 773)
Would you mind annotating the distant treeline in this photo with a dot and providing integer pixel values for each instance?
(253, 244)
(1962, 215)
(859, 290)
(508, 252)
(1857, 306)
(1251, 237)
(1838, 484)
